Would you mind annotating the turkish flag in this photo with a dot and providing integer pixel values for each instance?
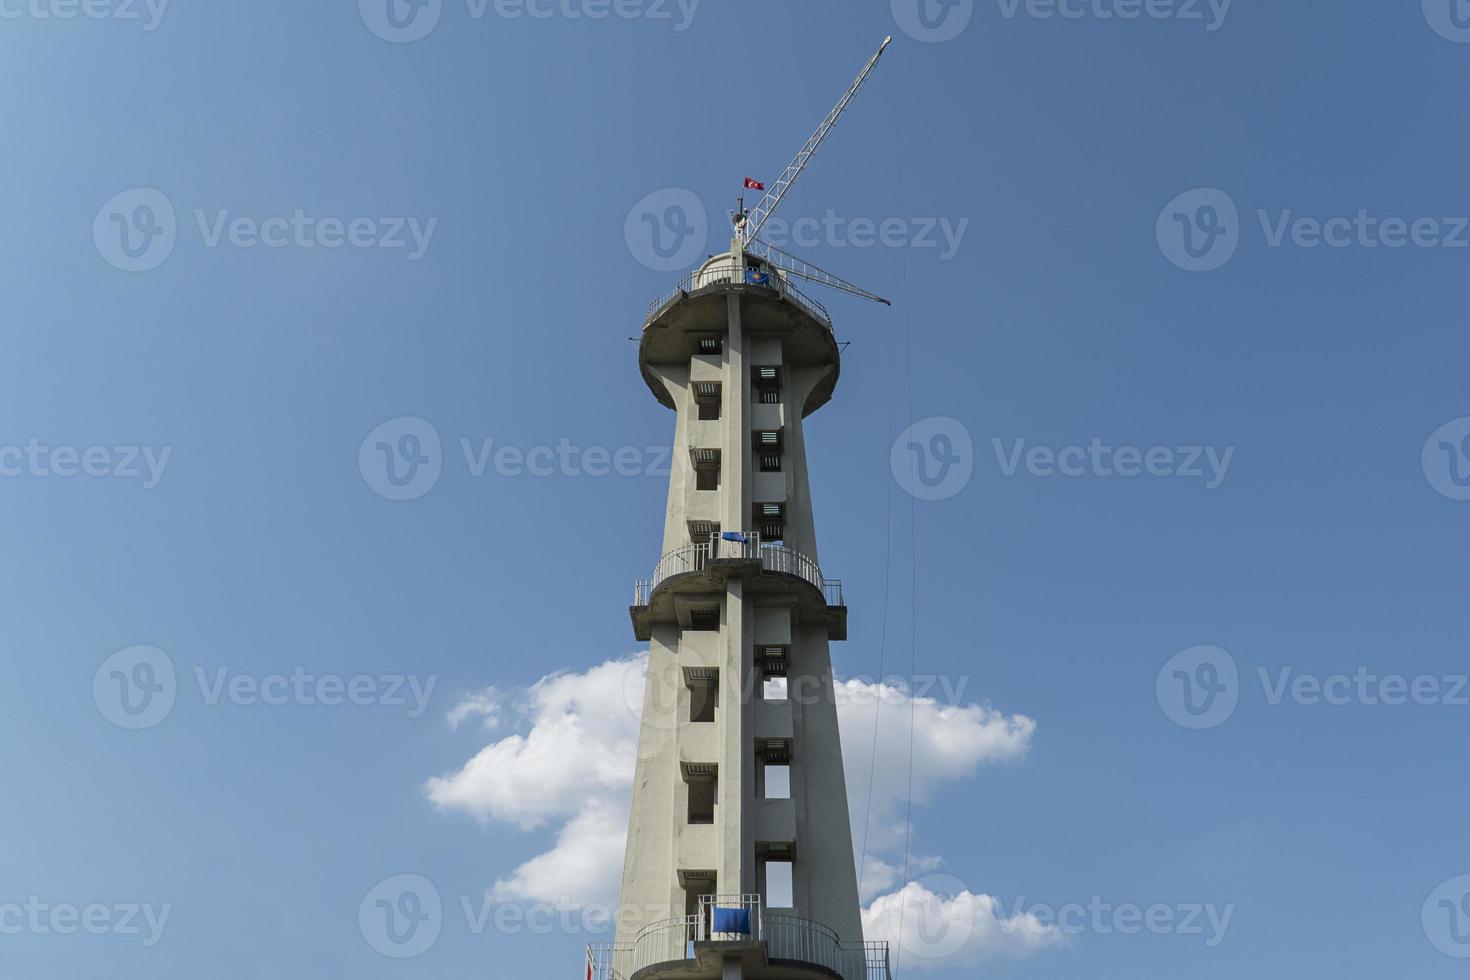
(751, 184)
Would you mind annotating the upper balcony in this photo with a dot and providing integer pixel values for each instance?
(720, 273)
(769, 943)
(770, 303)
(766, 568)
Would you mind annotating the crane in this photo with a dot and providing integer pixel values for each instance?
(748, 224)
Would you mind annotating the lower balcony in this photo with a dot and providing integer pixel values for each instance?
(770, 944)
(765, 567)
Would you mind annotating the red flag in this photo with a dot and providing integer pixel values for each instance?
(751, 184)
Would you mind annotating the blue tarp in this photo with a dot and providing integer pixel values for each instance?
(735, 921)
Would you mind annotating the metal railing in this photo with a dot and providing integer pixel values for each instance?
(727, 273)
(787, 937)
(747, 545)
(731, 918)
(608, 961)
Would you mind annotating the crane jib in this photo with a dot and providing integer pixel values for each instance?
(762, 212)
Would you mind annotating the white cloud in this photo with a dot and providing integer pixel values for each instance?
(485, 704)
(584, 867)
(950, 743)
(572, 760)
(574, 764)
(927, 929)
(878, 876)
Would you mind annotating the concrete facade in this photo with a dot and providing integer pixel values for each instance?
(708, 816)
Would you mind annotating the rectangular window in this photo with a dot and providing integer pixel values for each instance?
(706, 464)
(704, 619)
(704, 698)
(772, 520)
(767, 383)
(780, 893)
(711, 345)
(707, 400)
(770, 462)
(777, 782)
(702, 793)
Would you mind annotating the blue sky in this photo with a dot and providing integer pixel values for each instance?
(1126, 266)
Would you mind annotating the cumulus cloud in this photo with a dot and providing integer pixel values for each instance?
(927, 929)
(573, 764)
(484, 704)
(950, 742)
(878, 876)
(571, 759)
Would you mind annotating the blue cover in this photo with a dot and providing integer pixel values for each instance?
(733, 921)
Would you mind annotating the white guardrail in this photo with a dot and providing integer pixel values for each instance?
(726, 273)
(738, 918)
(747, 545)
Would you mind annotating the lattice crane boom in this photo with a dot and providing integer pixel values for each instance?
(803, 269)
(749, 225)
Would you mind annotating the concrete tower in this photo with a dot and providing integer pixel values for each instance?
(739, 859)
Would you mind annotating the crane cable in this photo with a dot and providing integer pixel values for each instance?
(908, 364)
(887, 567)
